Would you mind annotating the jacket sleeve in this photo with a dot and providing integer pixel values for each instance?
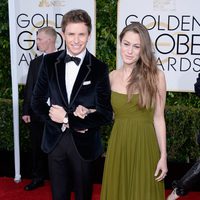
(103, 113)
(197, 86)
(28, 91)
(40, 94)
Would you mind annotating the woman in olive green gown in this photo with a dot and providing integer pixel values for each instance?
(136, 158)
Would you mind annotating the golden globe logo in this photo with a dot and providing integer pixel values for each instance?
(176, 40)
(52, 3)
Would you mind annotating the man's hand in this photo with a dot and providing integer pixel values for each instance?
(57, 113)
(26, 118)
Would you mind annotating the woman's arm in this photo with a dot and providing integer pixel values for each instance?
(160, 127)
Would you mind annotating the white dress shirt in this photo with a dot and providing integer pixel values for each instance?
(71, 72)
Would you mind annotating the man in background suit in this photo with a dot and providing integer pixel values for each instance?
(46, 39)
(77, 85)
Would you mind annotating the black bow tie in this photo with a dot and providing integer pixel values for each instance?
(69, 58)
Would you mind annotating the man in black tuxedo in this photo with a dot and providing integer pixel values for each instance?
(78, 86)
(46, 39)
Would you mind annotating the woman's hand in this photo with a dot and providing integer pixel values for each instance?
(82, 111)
(161, 170)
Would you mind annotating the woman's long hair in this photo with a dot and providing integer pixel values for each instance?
(144, 77)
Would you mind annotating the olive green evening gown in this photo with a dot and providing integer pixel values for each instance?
(132, 154)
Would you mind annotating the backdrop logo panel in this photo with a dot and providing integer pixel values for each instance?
(174, 26)
(32, 15)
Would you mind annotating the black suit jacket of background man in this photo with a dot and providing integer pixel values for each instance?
(30, 84)
(91, 89)
(39, 158)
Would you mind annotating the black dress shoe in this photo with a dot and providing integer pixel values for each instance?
(33, 185)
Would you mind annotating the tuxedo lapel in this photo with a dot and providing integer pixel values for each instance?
(60, 77)
(81, 77)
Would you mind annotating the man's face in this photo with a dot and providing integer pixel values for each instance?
(76, 37)
(43, 41)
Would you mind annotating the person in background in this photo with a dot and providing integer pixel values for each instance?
(182, 186)
(197, 86)
(46, 39)
(77, 84)
(136, 158)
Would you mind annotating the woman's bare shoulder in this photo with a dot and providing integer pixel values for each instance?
(114, 73)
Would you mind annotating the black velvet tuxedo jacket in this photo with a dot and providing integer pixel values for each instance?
(30, 83)
(91, 89)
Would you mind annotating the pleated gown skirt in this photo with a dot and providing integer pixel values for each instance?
(132, 154)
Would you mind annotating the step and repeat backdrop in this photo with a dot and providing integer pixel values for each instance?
(174, 27)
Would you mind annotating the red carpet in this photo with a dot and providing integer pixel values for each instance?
(9, 190)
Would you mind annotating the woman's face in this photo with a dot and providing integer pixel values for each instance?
(130, 48)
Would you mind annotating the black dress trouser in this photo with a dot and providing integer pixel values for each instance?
(39, 158)
(68, 171)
